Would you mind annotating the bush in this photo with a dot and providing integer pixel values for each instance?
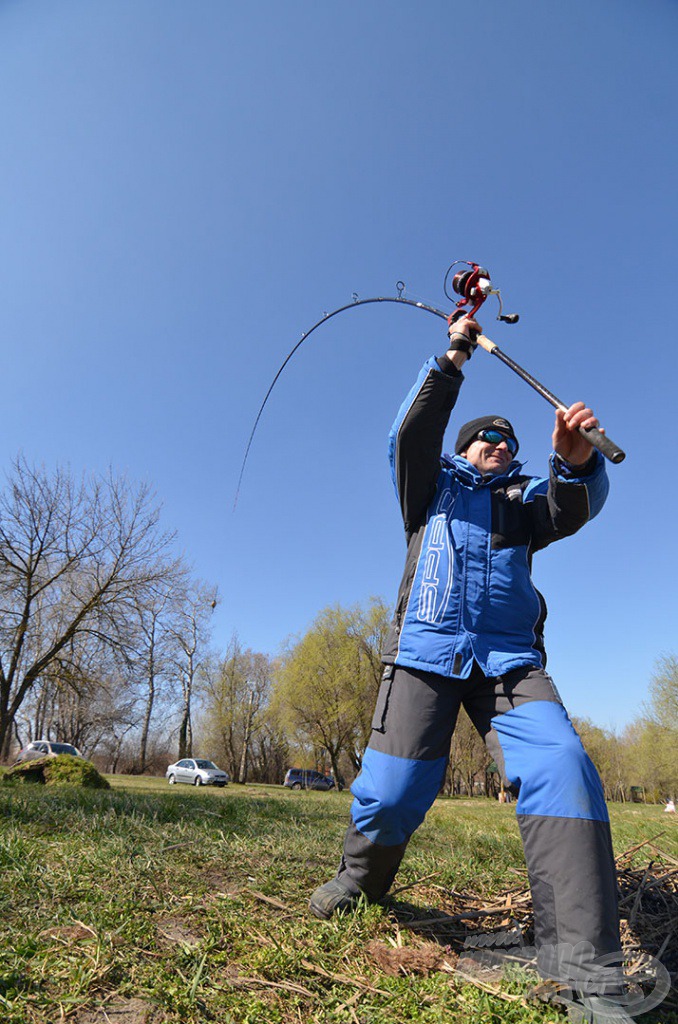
(62, 770)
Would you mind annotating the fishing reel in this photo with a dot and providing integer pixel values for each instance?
(473, 286)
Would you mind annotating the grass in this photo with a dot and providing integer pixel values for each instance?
(146, 904)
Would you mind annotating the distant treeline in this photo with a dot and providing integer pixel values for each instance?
(105, 643)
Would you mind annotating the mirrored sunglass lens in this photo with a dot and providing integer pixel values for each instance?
(494, 437)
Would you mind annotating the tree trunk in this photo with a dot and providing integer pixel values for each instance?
(184, 732)
(249, 721)
(335, 767)
(242, 771)
(143, 745)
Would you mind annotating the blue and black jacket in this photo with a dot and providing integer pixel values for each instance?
(467, 592)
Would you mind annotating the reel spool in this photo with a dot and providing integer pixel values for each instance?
(474, 286)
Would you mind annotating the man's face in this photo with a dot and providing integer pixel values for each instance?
(489, 458)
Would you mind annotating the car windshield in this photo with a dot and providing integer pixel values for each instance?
(206, 765)
(63, 748)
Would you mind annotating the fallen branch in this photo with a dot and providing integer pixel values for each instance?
(443, 922)
(639, 894)
(639, 846)
(666, 856)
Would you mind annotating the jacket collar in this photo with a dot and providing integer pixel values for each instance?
(467, 473)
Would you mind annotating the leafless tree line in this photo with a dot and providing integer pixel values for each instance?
(102, 625)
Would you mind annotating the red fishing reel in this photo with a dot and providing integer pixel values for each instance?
(474, 287)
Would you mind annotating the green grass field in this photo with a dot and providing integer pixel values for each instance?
(147, 904)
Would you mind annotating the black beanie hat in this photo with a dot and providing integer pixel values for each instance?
(471, 429)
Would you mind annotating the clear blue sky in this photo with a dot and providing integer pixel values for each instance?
(187, 185)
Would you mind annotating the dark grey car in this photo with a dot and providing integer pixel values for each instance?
(307, 778)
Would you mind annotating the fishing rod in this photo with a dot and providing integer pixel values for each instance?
(473, 287)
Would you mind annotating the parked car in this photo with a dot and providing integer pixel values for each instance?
(45, 748)
(307, 778)
(196, 771)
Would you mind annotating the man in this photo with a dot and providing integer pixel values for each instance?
(468, 629)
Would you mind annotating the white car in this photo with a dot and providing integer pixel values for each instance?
(196, 771)
(45, 748)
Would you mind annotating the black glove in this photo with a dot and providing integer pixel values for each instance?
(462, 343)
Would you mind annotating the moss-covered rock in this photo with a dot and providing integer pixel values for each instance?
(62, 770)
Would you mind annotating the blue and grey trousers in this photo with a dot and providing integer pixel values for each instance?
(561, 809)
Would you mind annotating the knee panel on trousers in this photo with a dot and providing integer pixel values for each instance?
(544, 757)
(393, 794)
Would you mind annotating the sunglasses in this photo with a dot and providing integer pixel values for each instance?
(495, 437)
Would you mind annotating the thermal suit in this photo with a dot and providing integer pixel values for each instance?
(468, 630)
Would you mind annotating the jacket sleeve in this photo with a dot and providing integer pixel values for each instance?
(561, 504)
(416, 439)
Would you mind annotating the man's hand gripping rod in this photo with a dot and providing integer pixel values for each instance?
(474, 287)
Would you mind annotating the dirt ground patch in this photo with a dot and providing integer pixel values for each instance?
(122, 1011)
(173, 931)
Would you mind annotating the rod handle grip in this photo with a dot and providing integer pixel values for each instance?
(604, 444)
(484, 342)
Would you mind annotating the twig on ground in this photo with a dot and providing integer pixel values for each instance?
(241, 981)
(178, 846)
(666, 856)
(350, 1002)
(411, 885)
(272, 902)
(344, 979)
(639, 894)
(638, 846)
(666, 941)
(443, 922)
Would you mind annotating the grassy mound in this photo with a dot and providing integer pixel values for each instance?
(62, 770)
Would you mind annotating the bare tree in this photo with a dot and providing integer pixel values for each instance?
(79, 697)
(269, 755)
(469, 758)
(72, 556)
(190, 631)
(152, 646)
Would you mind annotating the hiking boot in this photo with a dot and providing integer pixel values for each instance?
(333, 898)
